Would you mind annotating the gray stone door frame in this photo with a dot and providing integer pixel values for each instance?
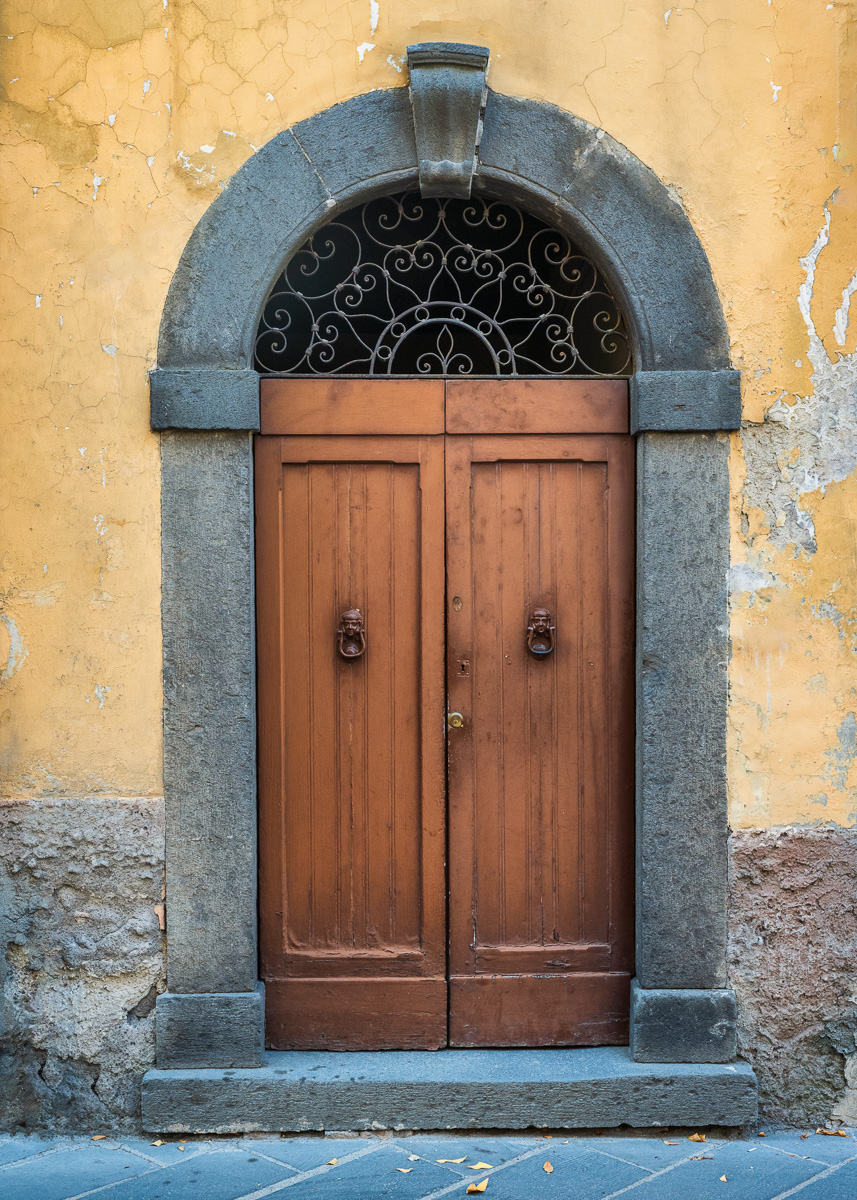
(205, 400)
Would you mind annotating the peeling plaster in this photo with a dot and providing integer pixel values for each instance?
(794, 580)
(17, 651)
(840, 324)
(806, 442)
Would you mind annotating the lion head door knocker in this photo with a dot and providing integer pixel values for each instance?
(351, 635)
(541, 632)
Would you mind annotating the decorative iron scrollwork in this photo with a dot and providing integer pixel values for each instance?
(541, 633)
(409, 286)
(351, 634)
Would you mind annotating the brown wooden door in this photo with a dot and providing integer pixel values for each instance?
(356, 900)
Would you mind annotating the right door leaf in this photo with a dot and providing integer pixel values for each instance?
(540, 556)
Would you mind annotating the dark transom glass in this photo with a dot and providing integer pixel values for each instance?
(409, 286)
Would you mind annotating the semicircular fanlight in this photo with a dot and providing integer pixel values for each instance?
(409, 286)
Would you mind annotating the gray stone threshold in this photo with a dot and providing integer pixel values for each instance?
(448, 1089)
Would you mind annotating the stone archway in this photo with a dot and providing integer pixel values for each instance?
(205, 400)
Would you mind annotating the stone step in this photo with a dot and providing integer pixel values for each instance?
(448, 1089)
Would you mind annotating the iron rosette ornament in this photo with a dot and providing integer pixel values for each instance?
(404, 285)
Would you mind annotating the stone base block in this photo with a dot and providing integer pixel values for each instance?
(211, 1029)
(448, 1089)
(682, 1025)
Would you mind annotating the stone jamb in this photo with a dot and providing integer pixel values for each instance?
(202, 397)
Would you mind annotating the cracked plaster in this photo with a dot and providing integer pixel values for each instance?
(122, 121)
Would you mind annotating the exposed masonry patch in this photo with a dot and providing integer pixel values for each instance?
(793, 965)
(81, 958)
(804, 446)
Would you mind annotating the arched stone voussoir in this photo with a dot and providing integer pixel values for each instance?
(585, 182)
(533, 153)
(291, 186)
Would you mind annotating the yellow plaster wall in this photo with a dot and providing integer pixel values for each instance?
(122, 118)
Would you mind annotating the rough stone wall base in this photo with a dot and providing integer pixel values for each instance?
(82, 963)
(82, 960)
(793, 966)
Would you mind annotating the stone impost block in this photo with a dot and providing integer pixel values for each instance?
(685, 401)
(682, 1025)
(204, 399)
(210, 1029)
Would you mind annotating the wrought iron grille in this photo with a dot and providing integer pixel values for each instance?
(408, 286)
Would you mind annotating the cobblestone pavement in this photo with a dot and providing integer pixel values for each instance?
(422, 1167)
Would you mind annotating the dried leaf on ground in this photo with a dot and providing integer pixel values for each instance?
(331, 1162)
(455, 1160)
(477, 1187)
(697, 1137)
(548, 1168)
(723, 1179)
(666, 1143)
(405, 1170)
(99, 1137)
(159, 1142)
(481, 1167)
(832, 1132)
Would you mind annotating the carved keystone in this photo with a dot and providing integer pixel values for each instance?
(448, 93)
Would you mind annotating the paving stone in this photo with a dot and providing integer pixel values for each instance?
(817, 1146)
(12, 1149)
(841, 1184)
(495, 1150)
(755, 1174)
(209, 1175)
(374, 1176)
(306, 1153)
(653, 1153)
(166, 1155)
(585, 1168)
(577, 1171)
(69, 1172)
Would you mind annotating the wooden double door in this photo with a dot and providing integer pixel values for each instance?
(445, 574)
